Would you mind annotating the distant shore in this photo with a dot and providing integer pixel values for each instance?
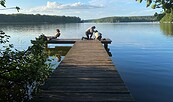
(117, 19)
(46, 19)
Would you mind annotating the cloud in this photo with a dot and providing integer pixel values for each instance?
(51, 6)
(109, 2)
(99, 2)
(92, 8)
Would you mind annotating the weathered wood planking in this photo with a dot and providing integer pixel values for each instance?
(72, 41)
(86, 74)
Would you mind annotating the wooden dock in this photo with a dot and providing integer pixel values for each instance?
(86, 74)
(104, 41)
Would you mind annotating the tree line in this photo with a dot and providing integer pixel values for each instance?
(155, 18)
(12, 18)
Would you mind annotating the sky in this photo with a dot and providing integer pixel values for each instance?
(85, 9)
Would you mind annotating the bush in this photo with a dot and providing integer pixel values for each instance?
(22, 72)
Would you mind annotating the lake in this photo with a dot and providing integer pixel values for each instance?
(142, 52)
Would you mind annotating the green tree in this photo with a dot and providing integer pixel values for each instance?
(166, 5)
(2, 3)
(22, 72)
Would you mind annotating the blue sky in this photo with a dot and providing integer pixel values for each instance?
(85, 9)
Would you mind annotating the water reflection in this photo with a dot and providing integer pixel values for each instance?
(56, 55)
(62, 50)
(141, 53)
(58, 51)
(167, 29)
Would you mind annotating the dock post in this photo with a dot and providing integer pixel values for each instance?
(106, 46)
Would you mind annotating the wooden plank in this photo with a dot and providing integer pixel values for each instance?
(85, 79)
(83, 97)
(62, 41)
(72, 41)
(86, 74)
(83, 84)
(96, 68)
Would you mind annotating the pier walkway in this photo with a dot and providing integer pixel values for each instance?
(86, 74)
(104, 41)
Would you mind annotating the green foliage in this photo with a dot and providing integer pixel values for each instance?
(2, 2)
(159, 16)
(149, 2)
(153, 6)
(168, 18)
(139, 1)
(11, 18)
(17, 8)
(22, 72)
(166, 5)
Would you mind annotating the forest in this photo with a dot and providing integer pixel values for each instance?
(29, 18)
(116, 19)
(37, 18)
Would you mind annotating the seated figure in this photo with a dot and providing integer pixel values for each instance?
(57, 34)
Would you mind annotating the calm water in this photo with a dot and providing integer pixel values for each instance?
(142, 52)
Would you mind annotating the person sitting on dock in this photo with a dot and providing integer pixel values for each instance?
(57, 34)
(89, 33)
(98, 35)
